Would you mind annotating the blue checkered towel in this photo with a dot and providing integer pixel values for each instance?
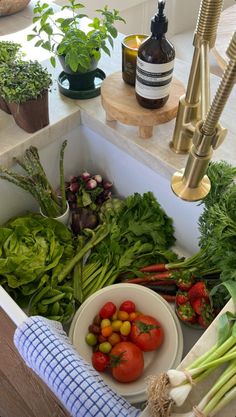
(46, 349)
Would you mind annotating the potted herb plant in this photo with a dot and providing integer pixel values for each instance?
(24, 89)
(35, 181)
(77, 48)
(8, 52)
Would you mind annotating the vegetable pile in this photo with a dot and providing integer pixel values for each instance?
(132, 233)
(119, 336)
(85, 194)
(173, 387)
(33, 249)
(216, 258)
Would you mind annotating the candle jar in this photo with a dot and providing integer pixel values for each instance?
(130, 45)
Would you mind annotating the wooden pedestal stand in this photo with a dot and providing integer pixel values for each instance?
(119, 102)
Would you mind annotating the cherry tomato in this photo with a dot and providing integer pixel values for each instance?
(107, 310)
(147, 333)
(93, 328)
(105, 323)
(106, 331)
(122, 315)
(101, 338)
(114, 339)
(133, 316)
(116, 325)
(105, 347)
(128, 306)
(100, 361)
(127, 362)
(91, 339)
(125, 328)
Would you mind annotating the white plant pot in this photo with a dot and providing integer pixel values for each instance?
(64, 218)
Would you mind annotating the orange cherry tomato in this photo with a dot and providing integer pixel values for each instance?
(106, 331)
(133, 316)
(114, 339)
(122, 315)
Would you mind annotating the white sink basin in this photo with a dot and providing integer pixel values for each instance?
(89, 151)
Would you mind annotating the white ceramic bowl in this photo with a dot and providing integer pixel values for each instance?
(148, 302)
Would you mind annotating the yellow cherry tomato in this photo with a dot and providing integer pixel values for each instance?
(116, 325)
(125, 328)
(105, 323)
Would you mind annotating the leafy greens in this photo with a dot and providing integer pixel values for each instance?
(33, 249)
(140, 233)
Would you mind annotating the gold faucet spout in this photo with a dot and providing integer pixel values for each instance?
(192, 184)
(194, 104)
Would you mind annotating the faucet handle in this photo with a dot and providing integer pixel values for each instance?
(219, 137)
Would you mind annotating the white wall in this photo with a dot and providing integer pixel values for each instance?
(182, 14)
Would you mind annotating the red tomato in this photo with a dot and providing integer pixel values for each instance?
(107, 310)
(146, 333)
(127, 306)
(126, 362)
(100, 361)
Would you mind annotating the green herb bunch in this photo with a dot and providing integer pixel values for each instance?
(217, 243)
(9, 51)
(64, 36)
(133, 232)
(36, 183)
(23, 81)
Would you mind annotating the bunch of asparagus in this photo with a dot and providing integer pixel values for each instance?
(36, 183)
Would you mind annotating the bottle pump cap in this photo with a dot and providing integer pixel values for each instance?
(159, 22)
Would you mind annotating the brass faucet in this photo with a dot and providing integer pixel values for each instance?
(194, 104)
(192, 184)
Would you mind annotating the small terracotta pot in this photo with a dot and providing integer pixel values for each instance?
(4, 106)
(32, 115)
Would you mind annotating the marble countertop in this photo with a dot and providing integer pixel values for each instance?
(66, 114)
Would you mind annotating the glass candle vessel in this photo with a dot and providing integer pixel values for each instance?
(130, 45)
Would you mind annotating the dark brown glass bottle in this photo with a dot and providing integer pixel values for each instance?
(155, 64)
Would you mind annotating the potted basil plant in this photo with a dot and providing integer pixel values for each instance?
(24, 89)
(77, 45)
(34, 180)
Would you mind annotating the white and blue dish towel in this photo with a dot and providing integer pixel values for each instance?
(46, 349)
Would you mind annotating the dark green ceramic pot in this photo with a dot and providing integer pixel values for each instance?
(80, 80)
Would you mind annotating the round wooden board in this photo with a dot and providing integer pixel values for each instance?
(119, 102)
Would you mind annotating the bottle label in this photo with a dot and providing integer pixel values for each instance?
(153, 80)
